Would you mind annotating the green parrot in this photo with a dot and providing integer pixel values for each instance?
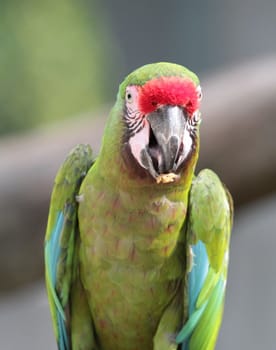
(137, 246)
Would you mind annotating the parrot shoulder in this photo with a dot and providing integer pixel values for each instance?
(208, 229)
(61, 235)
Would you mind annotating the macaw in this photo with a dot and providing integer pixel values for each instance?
(137, 246)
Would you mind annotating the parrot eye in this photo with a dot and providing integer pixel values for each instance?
(199, 93)
(196, 117)
(128, 96)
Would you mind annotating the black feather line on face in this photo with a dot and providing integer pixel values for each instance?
(133, 121)
(192, 126)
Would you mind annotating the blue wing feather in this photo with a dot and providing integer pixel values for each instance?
(210, 222)
(53, 251)
(198, 273)
(196, 279)
(60, 237)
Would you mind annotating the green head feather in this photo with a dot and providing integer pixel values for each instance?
(155, 70)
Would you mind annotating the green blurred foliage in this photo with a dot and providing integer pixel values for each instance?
(52, 60)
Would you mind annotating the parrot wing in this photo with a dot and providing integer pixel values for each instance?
(61, 234)
(208, 237)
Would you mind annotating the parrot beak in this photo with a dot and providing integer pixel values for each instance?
(165, 151)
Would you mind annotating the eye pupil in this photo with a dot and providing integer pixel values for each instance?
(129, 96)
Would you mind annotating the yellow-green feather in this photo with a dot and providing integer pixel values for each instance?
(61, 236)
(210, 223)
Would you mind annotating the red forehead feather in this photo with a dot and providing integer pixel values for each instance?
(168, 91)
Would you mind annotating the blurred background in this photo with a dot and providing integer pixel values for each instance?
(60, 67)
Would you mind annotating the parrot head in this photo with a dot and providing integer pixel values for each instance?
(158, 108)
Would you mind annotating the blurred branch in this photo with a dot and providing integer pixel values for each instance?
(28, 167)
(237, 141)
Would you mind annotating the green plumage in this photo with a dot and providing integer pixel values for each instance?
(119, 248)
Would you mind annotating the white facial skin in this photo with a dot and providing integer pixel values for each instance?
(138, 141)
(132, 97)
(199, 92)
